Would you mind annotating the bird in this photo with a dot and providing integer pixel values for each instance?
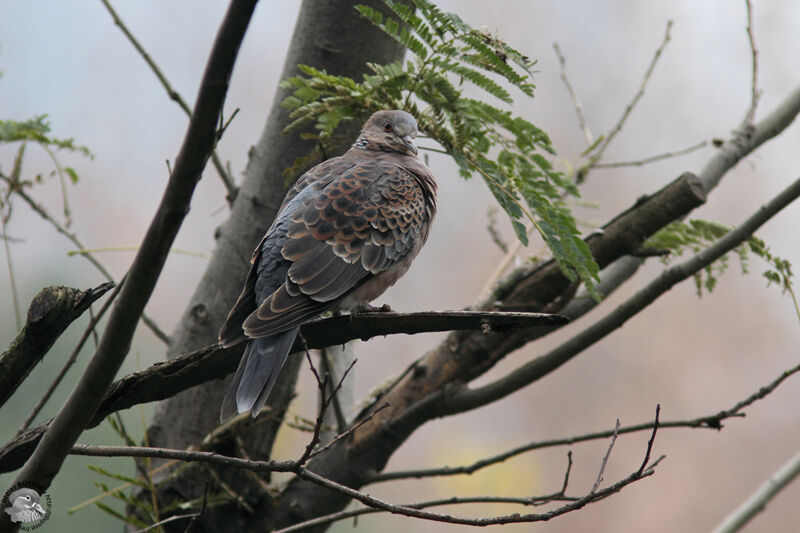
(25, 506)
(346, 231)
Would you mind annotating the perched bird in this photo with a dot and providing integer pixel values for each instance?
(25, 506)
(348, 230)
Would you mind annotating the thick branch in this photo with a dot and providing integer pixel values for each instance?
(200, 137)
(545, 287)
(543, 365)
(164, 380)
(49, 314)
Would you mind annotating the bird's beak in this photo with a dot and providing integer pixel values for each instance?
(408, 142)
(38, 508)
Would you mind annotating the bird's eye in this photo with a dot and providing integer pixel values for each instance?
(387, 127)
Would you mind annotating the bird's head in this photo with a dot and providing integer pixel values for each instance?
(25, 499)
(392, 131)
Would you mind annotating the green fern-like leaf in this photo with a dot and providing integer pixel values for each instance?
(696, 235)
(511, 154)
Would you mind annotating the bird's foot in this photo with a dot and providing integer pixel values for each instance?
(367, 308)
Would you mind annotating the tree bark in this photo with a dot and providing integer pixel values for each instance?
(50, 313)
(330, 35)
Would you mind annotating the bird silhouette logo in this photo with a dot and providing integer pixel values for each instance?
(24, 506)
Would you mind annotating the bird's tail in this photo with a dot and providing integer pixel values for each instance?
(257, 373)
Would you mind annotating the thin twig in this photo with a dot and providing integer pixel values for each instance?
(11, 278)
(652, 440)
(325, 402)
(494, 233)
(576, 103)
(174, 95)
(755, 93)
(322, 385)
(329, 365)
(639, 93)
(304, 473)
(349, 431)
(654, 158)
(605, 459)
(376, 503)
(5, 215)
(62, 182)
(203, 508)
(167, 521)
(453, 500)
(73, 238)
(600, 148)
(301, 471)
(713, 421)
(567, 473)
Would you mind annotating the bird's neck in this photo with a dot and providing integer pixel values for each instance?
(362, 143)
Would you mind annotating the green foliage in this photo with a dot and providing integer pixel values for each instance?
(37, 130)
(696, 235)
(448, 57)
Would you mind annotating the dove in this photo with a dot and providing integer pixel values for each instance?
(346, 231)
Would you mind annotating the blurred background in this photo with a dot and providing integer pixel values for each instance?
(694, 356)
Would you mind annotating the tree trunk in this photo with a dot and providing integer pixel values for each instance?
(330, 35)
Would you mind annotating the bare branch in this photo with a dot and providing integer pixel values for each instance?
(90, 328)
(713, 421)
(165, 379)
(334, 360)
(167, 521)
(607, 455)
(174, 95)
(652, 439)
(543, 365)
(567, 472)
(654, 158)
(454, 500)
(755, 93)
(183, 455)
(50, 313)
(629, 108)
(349, 430)
(325, 403)
(598, 153)
(576, 103)
(758, 501)
(747, 138)
(302, 472)
(77, 412)
(376, 503)
(73, 238)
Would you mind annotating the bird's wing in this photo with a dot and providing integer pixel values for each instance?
(231, 332)
(339, 232)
